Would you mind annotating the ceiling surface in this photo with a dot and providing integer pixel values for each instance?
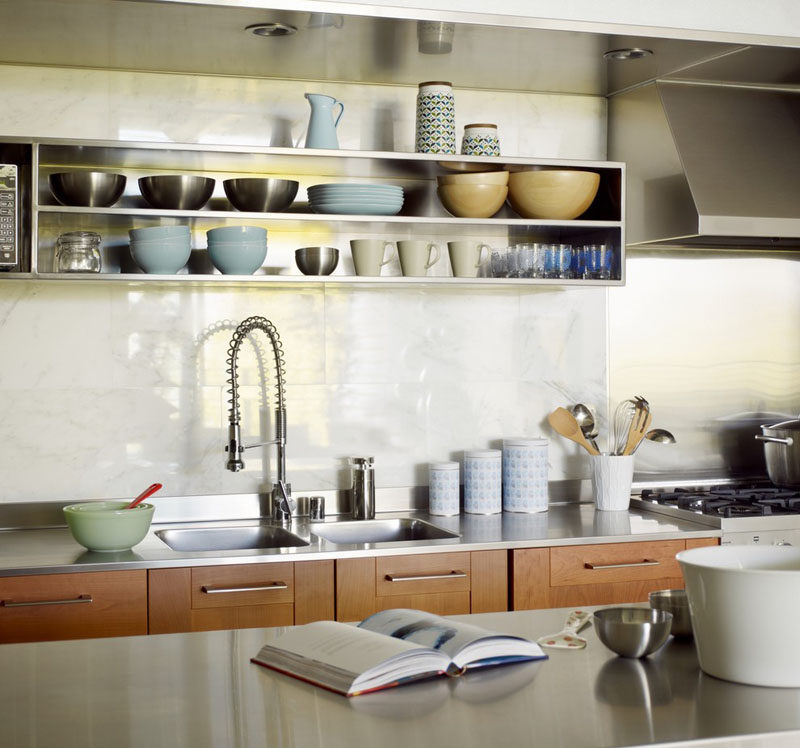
(210, 39)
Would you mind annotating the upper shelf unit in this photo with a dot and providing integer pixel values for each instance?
(422, 215)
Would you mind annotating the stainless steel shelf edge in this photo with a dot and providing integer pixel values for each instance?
(136, 279)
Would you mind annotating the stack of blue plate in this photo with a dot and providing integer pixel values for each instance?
(358, 199)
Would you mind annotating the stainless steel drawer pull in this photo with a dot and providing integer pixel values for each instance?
(79, 599)
(424, 577)
(259, 588)
(646, 562)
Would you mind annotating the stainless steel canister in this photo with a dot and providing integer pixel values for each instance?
(363, 487)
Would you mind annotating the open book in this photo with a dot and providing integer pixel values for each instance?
(389, 649)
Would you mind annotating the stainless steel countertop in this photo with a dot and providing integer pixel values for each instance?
(53, 550)
(200, 691)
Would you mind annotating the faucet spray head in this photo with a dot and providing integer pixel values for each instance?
(234, 449)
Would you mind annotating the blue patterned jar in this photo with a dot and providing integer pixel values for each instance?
(482, 481)
(443, 489)
(480, 140)
(525, 475)
(436, 118)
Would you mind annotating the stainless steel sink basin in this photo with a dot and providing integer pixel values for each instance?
(229, 538)
(379, 531)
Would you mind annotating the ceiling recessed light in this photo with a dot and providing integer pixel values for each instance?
(272, 29)
(629, 53)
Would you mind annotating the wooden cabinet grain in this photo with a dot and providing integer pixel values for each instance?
(441, 583)
(597, 574)
(45, 607)
(204, 598)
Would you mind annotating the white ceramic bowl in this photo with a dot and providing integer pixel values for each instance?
(745, 604)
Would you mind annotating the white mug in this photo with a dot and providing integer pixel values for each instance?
(369, 254)
(466, 258)
(416, 256)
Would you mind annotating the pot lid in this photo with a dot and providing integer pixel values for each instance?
(793, 425)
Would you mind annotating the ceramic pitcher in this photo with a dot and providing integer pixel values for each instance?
(322, 125)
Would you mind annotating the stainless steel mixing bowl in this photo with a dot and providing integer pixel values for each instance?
(257, 195)
(317, 260)
(632, 632)
(87, 189)
(677, 603)
(176, 191)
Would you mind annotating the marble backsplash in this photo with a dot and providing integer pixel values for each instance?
(111, 388)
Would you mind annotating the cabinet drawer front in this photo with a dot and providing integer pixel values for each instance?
(251, 584)
(73, 606)
(415, 575)
(614, 562)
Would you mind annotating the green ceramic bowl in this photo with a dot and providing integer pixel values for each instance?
(107, 525)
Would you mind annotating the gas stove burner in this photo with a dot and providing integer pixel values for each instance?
(752, 500)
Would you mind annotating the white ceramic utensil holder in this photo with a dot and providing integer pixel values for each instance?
(483, 481)
(443, 497)
(612, 476)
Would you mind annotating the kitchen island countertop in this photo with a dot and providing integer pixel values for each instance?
(53, 550)
(201, 691)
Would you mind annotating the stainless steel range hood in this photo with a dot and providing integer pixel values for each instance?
(709, 164)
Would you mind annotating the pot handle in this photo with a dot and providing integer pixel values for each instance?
(788, 441)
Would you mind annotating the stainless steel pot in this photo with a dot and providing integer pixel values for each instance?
(782, 452)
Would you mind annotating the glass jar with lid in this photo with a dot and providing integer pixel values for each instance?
(78, 252)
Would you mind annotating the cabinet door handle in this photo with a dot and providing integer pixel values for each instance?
(244, 588)
(420, 577)
(646, 562)
(79, 599)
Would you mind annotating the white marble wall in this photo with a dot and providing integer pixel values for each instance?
(106, 388)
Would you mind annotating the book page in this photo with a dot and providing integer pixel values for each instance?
(463, 643)
(341, 646)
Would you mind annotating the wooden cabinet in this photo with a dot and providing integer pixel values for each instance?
(203, 598)
(600, 574)
(442, 583)
(73, 606)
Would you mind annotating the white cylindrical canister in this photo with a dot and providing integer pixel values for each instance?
(443, 488)
(525, 475)
(436, 118)
(483, 481)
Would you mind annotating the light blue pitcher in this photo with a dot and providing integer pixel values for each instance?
(322, 125)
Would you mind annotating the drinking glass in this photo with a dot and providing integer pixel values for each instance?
(499, 262)
(512, 262)
(525, 260)
(564, 261)
(599, 260)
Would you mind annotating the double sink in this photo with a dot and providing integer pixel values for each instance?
(263, 536)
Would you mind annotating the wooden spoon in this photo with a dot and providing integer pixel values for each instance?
(565, 424)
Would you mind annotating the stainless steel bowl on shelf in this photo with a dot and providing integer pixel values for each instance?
(176, 191)
(87, 189)
(317, 260)
(257, 195)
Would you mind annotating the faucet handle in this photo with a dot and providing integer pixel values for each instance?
(282, 503)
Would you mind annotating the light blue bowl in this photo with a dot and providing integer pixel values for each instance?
(153, 233)
(232, 258)
(166, 257)
(237, 234)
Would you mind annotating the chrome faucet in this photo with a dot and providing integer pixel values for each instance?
(281, 490)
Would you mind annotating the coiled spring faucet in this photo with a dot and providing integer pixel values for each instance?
(281, 490)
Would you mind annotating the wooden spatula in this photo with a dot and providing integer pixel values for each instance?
(565, 424)
(639, 427)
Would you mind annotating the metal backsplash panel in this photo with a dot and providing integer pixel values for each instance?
(713, 341)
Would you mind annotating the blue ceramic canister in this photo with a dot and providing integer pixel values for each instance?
(483, 481)
(443, 492)
(525, 475)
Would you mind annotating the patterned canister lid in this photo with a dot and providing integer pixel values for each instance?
(444, 465)
(525, 442)
(483, 454)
